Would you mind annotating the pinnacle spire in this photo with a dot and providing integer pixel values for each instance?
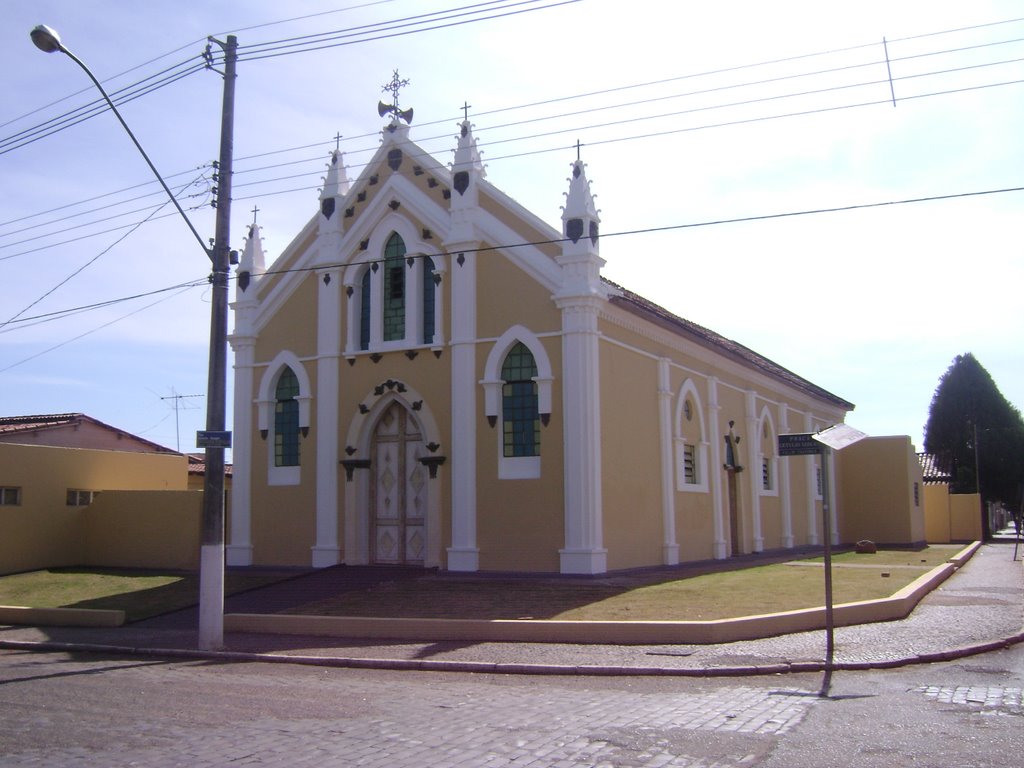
(467, 156)
(579, 202)
(252, 263)
(336, 183)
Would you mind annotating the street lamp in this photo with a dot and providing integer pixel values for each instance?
(215, 439)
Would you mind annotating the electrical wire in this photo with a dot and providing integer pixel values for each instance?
(58, 314)
(593, 126)
(86, 265)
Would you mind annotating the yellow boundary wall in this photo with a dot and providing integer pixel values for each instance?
(898, 606)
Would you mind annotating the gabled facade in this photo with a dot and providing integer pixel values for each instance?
(429, 374)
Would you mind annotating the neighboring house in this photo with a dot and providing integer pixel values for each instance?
(430, 374)
(197, 472)
(73, 430)
(62, 490)
(949, 517)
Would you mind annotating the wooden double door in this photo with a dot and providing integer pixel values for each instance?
(398, 496)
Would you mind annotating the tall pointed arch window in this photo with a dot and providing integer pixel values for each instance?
(394, 288)
(691, 441)
(286, 420)
(520, 411)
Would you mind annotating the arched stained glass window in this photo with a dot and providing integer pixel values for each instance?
(394, 288)
(520, 413)
(286, 420)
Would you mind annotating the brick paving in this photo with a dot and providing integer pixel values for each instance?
(456, 726)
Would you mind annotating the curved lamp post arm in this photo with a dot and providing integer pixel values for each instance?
(48, 40)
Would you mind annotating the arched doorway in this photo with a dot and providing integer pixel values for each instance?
(398, 493)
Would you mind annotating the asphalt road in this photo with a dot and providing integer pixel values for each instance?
(69, 710)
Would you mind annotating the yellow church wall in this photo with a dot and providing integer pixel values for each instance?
(630, 459)
(284, 331)
(284, 517)
(520, 523)
(529, 234)
(521, 300)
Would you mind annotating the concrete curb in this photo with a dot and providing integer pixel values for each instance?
(61, 617)
(516, 668)
(897, 606)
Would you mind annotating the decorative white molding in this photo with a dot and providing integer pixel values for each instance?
(720, 510)
(670, 546)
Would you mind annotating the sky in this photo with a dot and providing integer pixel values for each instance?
(751, 163)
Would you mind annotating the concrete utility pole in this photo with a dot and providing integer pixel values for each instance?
(216, 439)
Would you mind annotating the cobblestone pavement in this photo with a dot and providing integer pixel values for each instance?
(392, 720)
(990, 698)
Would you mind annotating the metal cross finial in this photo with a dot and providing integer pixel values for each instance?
(255, 210)
(337, 141)
(465, 110)
(578, 145)
(393, 88)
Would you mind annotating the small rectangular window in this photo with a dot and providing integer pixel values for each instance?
(917, 495)
(690, 464)
(77, 497)
(766, 475)
(10, 496)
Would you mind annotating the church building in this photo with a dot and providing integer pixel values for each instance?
(431, 375)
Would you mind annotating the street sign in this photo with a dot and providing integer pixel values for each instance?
(801, 444)
(839, 436)
(212, 439)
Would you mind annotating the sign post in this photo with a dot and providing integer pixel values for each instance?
(823, 443)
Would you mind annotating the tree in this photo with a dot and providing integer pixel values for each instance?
(976, 434)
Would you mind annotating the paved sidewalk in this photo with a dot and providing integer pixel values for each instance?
(979, 608)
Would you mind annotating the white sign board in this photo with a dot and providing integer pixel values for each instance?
(839, 436)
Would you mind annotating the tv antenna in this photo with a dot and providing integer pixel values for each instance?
(178, 404)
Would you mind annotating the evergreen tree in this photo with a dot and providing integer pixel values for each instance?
(976, 434)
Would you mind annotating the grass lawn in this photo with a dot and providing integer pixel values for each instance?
(639, 597)
(728, 594)
(140, 594)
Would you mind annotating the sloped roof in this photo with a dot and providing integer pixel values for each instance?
(15, 425)
(638, 305)
(197, 464)
(932, 472)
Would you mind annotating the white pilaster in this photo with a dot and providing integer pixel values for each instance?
(721, 546)
(239, 546)
(785, 497)
(581, 400)
(326, 551)
(463, 554)
(670, 548)
(754, 462)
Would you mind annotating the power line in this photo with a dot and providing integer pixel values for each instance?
(763, 81)
(555, 241)
(197, 63)
(574, 129)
